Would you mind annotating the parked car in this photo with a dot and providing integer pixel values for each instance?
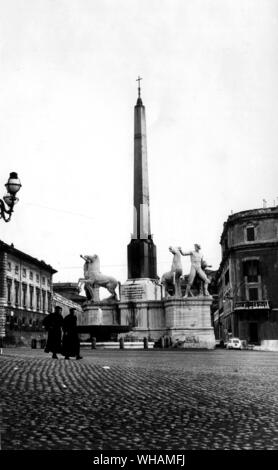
(234, 343)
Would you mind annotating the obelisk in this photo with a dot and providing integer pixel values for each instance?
(141, 252)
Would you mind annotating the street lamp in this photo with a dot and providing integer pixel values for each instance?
(13, 186)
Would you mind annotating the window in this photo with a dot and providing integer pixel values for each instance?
(48, 282)
(31, 295)
(49, 302)
(16, 286)
(38, 295)
(250, 234)
(37, 278)
(9, 291)
(31, 274)
(16, 269)
(43, 301)
(227, 277)
(251, 270)
(43, 280)
(24, 294)
(253, 293)
(9, 266)
(24, 272)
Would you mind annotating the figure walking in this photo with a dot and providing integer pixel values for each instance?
(53, 323)
(70, 344)
(197, 262)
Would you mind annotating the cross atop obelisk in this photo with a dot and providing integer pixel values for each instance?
(141, 250)
(139, 89)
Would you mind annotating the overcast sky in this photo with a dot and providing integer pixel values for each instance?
(68, 72)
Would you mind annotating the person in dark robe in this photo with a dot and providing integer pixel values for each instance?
(70, 343)
(53, 323)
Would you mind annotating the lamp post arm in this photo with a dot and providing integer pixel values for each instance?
(238, 286)
(4, 211)
(231, 293)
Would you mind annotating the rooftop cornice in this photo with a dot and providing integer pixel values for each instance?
(20, 254)
(249, 215)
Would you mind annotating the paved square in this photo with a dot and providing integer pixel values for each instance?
(147, 400)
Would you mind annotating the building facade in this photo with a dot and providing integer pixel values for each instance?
(70, 290)
(66, 304)
(247, 279)
(26, 295)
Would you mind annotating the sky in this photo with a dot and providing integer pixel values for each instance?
(68, 87)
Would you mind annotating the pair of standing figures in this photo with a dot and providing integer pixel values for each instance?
(198, 264)
(68, 345)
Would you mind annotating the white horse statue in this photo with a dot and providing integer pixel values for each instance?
(172, 278)
(93, 279)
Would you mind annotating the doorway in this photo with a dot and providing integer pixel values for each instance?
(253, 333)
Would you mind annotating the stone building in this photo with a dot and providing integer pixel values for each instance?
(26, 295)
(70, 290)
(247, 279)
(66, 304)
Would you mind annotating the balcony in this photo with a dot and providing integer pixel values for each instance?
(252, 305)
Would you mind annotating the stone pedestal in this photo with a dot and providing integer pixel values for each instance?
(188, 322)
(146, 318)
(136, 290)
(141, 308)
(99, 314)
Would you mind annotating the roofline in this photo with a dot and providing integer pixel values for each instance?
(67, 284)
(14, 251)
(260, 213)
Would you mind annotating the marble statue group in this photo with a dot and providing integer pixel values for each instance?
(171, 281)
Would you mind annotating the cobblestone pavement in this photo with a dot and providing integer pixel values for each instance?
(147, 400)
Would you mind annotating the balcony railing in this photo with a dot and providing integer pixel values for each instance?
(252, 304)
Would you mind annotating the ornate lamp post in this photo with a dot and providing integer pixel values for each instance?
(13, 186)
(6, 209)
(232, 295)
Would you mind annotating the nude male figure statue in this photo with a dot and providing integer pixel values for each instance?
(197, 261)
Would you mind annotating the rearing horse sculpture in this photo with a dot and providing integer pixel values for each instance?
(93, 279)
(172, 278)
